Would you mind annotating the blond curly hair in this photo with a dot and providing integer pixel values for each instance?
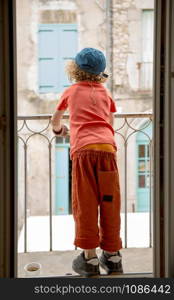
(76, 74)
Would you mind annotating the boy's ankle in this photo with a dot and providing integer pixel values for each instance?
(91, 253)
(107, 253)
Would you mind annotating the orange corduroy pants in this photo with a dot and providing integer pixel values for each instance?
(96, 200)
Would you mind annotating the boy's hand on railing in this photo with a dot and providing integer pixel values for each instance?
(63, 131)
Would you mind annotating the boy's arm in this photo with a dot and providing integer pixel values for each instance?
(56, 117)
(55, 120)
(111, 119)
(112, 108)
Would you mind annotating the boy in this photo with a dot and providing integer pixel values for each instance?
(95, 178)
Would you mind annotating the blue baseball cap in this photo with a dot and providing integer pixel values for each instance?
(91, 60)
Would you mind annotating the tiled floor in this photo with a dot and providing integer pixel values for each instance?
(58, 263)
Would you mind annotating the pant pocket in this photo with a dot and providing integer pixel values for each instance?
(74, 199)
(108, 185)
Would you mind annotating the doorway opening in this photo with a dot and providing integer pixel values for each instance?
(53, 31)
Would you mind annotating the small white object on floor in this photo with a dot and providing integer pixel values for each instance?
(32, 269)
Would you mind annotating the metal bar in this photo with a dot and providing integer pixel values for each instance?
(50, 198)
(150, 200)
(124, 275)
(40, 117)
(125, 199)
(133, 115)
(66, 116)
(48, 117)
(25, 198)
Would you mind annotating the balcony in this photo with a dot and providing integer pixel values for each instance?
(45, 222)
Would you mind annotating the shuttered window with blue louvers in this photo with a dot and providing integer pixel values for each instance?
(57, 45)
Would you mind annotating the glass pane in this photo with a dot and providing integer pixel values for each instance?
(141, 151)
(141, 181)
(141, 166)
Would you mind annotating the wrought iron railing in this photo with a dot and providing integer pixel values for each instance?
(127, 126)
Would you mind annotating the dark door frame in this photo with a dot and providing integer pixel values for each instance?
(163, 209)
(168, 105)
(8, 140)
(163, 140)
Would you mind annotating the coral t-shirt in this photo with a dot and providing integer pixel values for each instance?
(89, 106)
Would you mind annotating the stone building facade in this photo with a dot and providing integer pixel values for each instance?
(115, 27)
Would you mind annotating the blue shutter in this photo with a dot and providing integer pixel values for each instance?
(48, 59)
(68, 50)
(62, 179)
(143, 169)
(57, 44)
